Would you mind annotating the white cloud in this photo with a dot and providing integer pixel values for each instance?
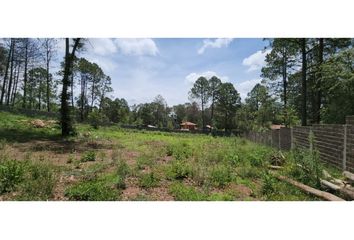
(137, 47)
(256, 61)
(217, 43)
(102, 46)
(246, 86)
(192, 77)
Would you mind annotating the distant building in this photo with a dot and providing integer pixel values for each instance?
(188, 126)
(276, 126)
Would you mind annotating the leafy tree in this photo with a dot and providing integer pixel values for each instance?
(280, 62)
(228, 100)
(116, 110)
(214, 84)
(200, 91)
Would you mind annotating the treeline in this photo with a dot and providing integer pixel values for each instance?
(304, 81)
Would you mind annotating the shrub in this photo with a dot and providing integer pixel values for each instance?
(97, 119)
(148, 180)
(179, 170)
(220, 175)
(180, 150)
(92, 191)
(268, 187)
(122, 168)
(144, 160)
(186, 193)
(221, 197)
(307, 167)
(88, 156)
(39, 184)
(11, 174)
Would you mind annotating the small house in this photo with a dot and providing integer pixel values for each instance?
(188, 126)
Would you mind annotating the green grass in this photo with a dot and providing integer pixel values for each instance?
(106, 161)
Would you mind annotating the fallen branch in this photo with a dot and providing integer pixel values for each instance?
(275, 167)
(349, 176)
(346, 191)
(308, 189)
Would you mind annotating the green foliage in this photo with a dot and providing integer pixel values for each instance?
(122, 171)
(179, 170)
(148, 180)
(39, 184)
(91, 191)
(268, 186)
(88, 156)
(96, 119)
(11, 174)
(306, 164)
(186, 193)
(179, 150)
(220, 175)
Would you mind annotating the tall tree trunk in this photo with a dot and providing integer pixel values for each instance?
(11, 75)
(25, 76)
(48, 81)
(14, 92)
(212, 110)
(304, 87)
(203, 115)
(40, 94)
(93, 94)
(285, 86)
(72, 89)
(6, 75)
(66, 124)
(318, 82)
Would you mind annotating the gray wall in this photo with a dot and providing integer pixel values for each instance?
(335, 142)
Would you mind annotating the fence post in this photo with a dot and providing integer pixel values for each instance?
(279, 142)
(345, 148)
(291, 138)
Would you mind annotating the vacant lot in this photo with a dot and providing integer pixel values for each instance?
(117, 164)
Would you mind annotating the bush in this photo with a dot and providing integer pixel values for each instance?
(186, 193)
(97, 119)
(11, 174)
(122, 171)
(268, 187)
(306, 164)
(39, 184)
(221, 197)
(88, 156)
(220, 175)
(148, 180)
(179, 150)
(179, 170)
(91, 191)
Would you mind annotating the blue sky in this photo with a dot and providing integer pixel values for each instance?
(143, 68)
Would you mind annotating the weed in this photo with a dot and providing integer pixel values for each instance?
(88, 156)
(11, 174)
(92, 191)
(220, 175)
(179, 150)
(39, 183)
(179, 170)
(71, 159)
(221, 197)
(143, 161)
(148, 180)
(186, 193)
(268, 186)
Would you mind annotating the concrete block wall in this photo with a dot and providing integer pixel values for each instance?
(335, 142)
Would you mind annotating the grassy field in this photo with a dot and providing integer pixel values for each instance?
(118, 164)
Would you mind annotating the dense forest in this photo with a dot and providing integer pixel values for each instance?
(304, 81)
